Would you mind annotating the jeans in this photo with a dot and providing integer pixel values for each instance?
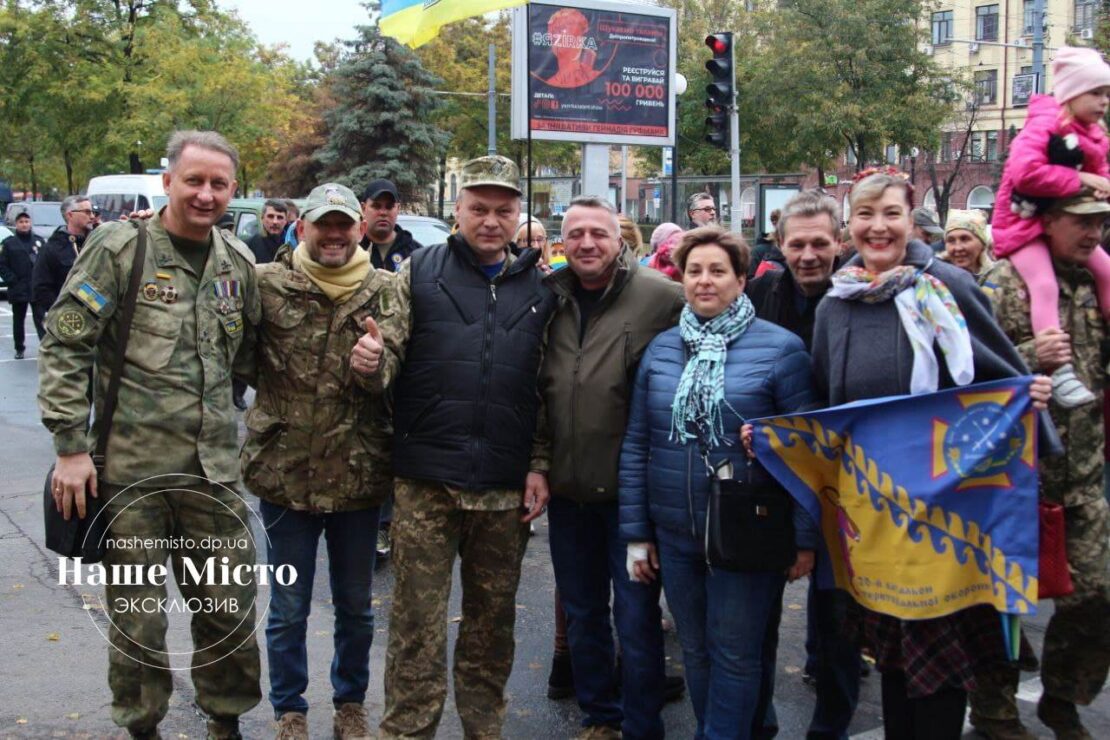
(588, 558)
(293, 537)
(19, 317)
(838, 665)
(722, 619)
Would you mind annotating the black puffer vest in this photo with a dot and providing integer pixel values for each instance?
(465, 404)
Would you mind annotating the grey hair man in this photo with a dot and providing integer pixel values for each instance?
(701, 210)
(610, 308)
(56, 258)
(173, 466)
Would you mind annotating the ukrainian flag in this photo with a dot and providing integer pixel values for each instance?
(416, 22)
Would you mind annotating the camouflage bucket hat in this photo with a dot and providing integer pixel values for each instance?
(331, 196)
(1083, 204)
(491, 171)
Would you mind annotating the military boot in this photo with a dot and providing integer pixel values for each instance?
(223, 728)
(351, 723)
(292, 726)
(1062, 717)
(145, 734)
(1002, 729)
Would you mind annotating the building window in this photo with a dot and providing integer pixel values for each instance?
(975, 147)
(1027, 18)
(942, 27)
(986, 23)
(1085, 13)
(986, 87)
(946, 150)
(981, 198)
(991, 152)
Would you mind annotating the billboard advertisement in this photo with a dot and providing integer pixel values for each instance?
(598, 74)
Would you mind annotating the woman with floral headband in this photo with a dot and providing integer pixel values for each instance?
(898, 321)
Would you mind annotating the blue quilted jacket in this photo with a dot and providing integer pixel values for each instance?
(663, 484)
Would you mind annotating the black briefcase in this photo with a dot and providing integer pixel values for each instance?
(77, 538)
(748, 527)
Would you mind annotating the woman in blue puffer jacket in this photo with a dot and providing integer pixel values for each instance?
(696, 385)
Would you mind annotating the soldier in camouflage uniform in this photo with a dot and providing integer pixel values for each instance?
(1076, 644)
(174, 428)
(317, 449)
(465, 409)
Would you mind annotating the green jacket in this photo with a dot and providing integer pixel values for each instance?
(587, 387)
(1074, 478)
(174, 412)
(318, 434)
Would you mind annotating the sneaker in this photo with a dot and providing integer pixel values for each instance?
(560, 682)
(350, 722)
(223, 728)
(19, 354)
(1062, 717)
(1001, 729)
(673, 688)
(292, 726)
(1068, 390)
(385, 543)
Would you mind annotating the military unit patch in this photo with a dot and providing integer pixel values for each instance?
(233, 325)
(89, 295)
(70, 324)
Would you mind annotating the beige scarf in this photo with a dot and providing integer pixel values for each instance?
(338, 283)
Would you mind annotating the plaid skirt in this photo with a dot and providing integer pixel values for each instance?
(936, 653)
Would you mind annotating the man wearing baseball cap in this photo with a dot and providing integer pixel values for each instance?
(317, 449)
(468, 475)
(926, 228)
(1076, 654)
(388, 244)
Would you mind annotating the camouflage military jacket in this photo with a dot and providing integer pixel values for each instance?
(174, 412)
(318, 435)
(1075, 477)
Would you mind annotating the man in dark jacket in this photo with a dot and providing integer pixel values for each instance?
(56, 258)
(808, 232)
(271, 236)
(17, 261)
(464, 458)
(389, 245)
(609, 310)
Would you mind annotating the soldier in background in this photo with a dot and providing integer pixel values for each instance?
(465, 408)
(1076, 654)
(171, 460)
(327, 472)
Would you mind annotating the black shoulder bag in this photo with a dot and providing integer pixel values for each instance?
(748, 527)
(88, 538)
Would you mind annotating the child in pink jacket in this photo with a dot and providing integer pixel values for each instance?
(1061, 151)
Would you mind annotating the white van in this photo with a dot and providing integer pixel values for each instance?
(119, 194)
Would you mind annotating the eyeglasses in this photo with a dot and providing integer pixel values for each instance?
(707, 209)
(538, 240)
(86, 211)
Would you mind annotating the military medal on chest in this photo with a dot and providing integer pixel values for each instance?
(169, 294)
(150, 291)
(228, 296)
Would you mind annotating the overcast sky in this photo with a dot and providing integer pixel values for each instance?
(298, 23)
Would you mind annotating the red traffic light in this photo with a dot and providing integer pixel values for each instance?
(719, 43)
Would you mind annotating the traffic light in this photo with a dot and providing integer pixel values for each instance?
(720, 92)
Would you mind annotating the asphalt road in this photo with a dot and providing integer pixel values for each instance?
(54, 657)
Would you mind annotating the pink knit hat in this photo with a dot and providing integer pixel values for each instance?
(1076, 71)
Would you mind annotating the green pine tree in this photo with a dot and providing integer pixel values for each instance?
(382, 125)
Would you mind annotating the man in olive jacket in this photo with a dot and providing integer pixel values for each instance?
(317, 451)
(609, 310)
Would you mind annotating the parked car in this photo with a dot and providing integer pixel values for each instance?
(115, 195)
(46, 215)
(424, 229)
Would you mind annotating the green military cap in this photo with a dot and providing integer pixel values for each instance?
(1084, 204)
(492, 171)
(331, 196)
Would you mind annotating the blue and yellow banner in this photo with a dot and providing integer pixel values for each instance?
(927, 504)
(416, 22)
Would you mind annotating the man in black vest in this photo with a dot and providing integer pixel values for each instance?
(468, 476)
(808, 231)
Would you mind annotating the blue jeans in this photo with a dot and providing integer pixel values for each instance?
(293, 537)
(722, 619)
(588, 558)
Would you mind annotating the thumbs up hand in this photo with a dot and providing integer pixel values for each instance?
(366, 356)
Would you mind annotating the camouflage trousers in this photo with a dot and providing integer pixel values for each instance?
(1076, 654)
(429, 529)
(147, 526)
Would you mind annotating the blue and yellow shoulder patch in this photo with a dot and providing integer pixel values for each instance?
(91, 297)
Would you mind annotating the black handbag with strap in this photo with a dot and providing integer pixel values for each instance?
(87, 538)
(749, 527)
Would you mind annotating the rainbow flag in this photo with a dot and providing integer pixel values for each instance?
(927, 504)
(416, 22)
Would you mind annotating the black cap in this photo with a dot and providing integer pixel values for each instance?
(378, 188)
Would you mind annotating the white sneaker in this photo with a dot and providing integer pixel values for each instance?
(1068, 390)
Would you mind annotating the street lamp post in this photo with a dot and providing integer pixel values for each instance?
(679, 89)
